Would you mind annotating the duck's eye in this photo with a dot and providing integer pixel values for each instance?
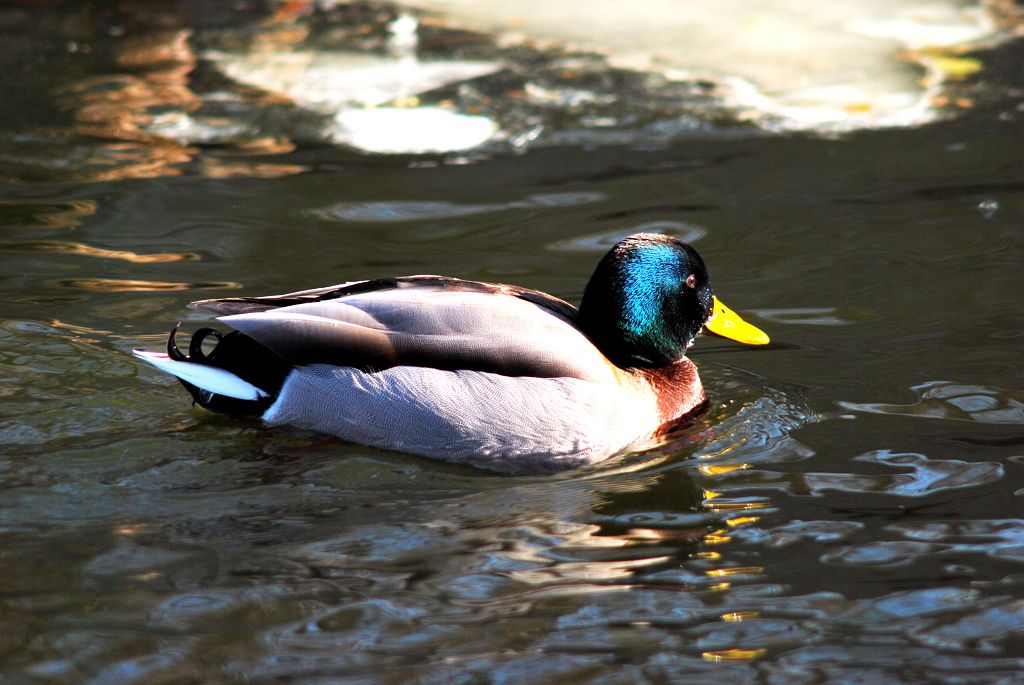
(691, 281)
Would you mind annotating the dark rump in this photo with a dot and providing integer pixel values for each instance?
(242, 356)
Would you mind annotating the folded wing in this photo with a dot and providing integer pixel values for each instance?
(420, 321)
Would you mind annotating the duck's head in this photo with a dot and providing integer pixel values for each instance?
(649, 298)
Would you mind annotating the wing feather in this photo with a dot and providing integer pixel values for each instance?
(242, 305)
(424, 321)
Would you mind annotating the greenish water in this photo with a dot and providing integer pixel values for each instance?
(848, 510)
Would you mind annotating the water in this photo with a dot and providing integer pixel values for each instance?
(848, 510)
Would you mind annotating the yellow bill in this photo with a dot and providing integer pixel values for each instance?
(728, 324)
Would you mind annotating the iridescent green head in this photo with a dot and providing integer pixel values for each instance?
(647, 300)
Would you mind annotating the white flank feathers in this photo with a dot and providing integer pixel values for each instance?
(209, 378)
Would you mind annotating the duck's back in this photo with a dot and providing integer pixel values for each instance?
(425, 321)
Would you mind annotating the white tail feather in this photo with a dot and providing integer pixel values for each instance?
(209, 378)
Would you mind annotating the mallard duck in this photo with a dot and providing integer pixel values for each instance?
(491, 375)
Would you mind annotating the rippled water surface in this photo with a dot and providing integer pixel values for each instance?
(849, 509)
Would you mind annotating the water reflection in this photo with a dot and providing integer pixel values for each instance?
(67, 247)
(340, 564)
(351, 89)
(117, 107)
(925, 476)
(135, 90)
(396, 211)
(954, 401)
(852, 65)
(122, 285)
(170, 91)
(817, 316)
(28, 213)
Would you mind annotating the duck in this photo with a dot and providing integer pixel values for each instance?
(490, 375)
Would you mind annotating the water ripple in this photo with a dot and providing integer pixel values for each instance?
(45, 213)
(923, 476)
(602, 242)
(817, 316)
(397, 211)
(954, 401)
(882, 553)
(973, 630)
(821, 532)
(751, 427)
(998, 539)
(67, 247)
(121, 285)
(381, 547)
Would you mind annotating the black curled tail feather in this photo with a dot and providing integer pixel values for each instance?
(242, 356)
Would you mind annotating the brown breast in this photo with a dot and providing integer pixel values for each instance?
(679, 392)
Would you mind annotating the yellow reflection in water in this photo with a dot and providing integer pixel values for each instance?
(77, 329)
(117, 285)
(720, 505)
(742, 521)
(737, 616)
(724, 451)
(721, 655)
(718, 537)
(952, 66)
(67, 247)
(717, 470)
(734, 571)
